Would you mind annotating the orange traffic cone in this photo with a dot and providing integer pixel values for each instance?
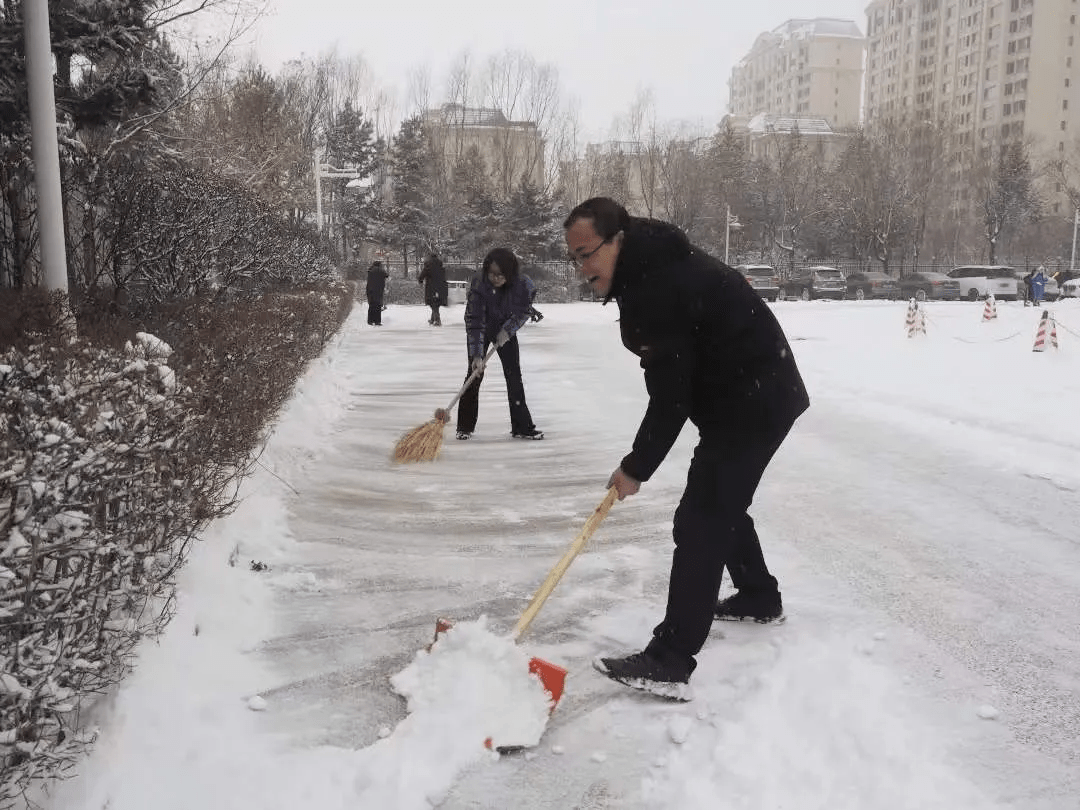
(990, 308)
(1047, 332)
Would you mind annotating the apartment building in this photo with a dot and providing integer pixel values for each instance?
(510, 149)
(803, 68)
(997, 70)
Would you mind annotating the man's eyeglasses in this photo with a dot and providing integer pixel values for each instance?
(578, 259)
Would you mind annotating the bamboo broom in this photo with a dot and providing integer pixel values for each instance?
(422, 443)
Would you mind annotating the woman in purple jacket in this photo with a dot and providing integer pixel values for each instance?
(497, 306)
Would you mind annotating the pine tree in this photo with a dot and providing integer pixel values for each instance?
(479, 222)
(532, 223)
(404, 220)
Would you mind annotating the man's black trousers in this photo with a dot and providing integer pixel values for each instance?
(712, 529)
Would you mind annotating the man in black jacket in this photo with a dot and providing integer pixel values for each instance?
(713, 353)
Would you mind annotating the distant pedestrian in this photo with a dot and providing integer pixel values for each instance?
(436, 292)
(376, 289)
(497, 307)
(1028, 297)
(1038, 285)
(535, 315)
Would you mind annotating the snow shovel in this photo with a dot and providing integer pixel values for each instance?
(552, 676)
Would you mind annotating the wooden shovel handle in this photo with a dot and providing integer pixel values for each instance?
(560, 567)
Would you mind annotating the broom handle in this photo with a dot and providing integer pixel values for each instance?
(560, 567)
(470, 378)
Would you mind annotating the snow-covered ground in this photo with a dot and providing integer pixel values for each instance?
(921, 518)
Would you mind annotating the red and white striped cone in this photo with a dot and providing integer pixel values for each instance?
(990, 308)
(912, 318)
(1046, 333)
(920, 321)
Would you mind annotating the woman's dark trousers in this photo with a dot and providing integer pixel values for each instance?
(469, 407)
(374, 311)
(712, 529)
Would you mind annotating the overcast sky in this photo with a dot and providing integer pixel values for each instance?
(604, 50)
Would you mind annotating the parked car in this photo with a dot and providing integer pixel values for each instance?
(1071, 288)
(930, 286)
(763, 278)
(871, 284)
(980, 280)
(815, 282)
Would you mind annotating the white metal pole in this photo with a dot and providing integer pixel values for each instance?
(1076, 221)
(319, 192)
(44, 147)
(727, 231)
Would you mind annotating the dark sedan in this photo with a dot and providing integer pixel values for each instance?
(814, 282)
(930, 286)
(763, 278)
(871, 284)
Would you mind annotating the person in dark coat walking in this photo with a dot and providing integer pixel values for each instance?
(376, 288)
(714, 354)
(1028, 296)
(535, 315)
(436, 292)
(496, 308)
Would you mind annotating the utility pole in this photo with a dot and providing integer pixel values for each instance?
(729, 223)
(326, 170)
(44, 147)
(1076, 221)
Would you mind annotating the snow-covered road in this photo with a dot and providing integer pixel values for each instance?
(921, 518)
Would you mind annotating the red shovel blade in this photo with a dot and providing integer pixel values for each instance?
(552, 676)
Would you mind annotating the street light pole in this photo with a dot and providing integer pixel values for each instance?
(1076, 221)
(318, 191)
(323, 170)
(727, 231)
(44, 147)
(729, 223)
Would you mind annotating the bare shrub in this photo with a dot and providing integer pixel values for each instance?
(112, 461)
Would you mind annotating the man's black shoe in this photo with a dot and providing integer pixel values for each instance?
(530, 433)
(763, 607)
(664, 676)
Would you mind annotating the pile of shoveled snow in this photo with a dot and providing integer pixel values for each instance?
(479, 681)
(470, 686)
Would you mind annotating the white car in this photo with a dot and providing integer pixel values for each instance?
(979, 280)
(1071, 288)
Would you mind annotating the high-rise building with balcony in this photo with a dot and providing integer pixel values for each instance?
(994, 70)
(803, 68)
